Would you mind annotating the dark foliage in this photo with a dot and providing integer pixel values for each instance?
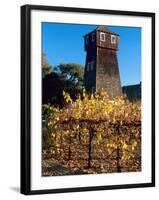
(66, 77)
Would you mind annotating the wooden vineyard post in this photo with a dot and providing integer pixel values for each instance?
(118, 150)
(90, 146)
(69, 148)
(60, 145)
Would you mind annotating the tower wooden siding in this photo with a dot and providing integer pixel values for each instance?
(105, 73)
(90, 76)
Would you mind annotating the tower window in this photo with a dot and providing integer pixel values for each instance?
(92, 66)
(93, 37)
(87, 40)
(102, 36)
(113, 39)
(88, 66)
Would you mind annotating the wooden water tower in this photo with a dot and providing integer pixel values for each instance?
(101, 67)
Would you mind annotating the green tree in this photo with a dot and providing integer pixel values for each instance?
(67, 77)
(46, 67)
(71, 73)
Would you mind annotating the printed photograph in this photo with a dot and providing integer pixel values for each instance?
(91, 99)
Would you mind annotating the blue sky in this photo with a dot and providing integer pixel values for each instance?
(64, 43)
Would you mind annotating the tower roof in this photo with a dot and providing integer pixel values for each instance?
(105, 29)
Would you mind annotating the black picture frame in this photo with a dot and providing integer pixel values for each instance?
(26, 98)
